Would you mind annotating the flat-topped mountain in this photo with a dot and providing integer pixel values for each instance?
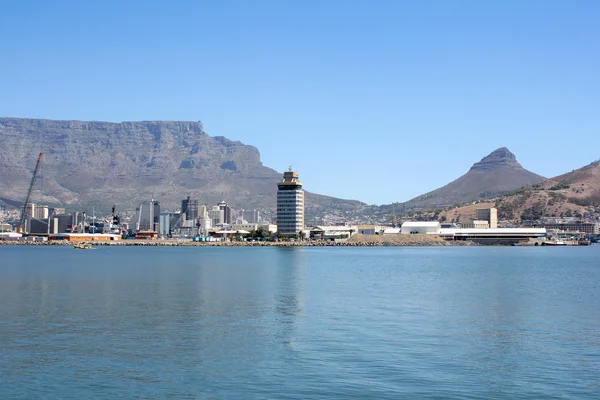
(105, 163)
(496, 173)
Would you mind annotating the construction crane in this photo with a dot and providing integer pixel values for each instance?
(33, 179)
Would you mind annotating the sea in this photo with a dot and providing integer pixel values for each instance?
(299, 323)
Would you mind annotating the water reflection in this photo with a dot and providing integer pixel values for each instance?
(315, 323)
(289, 300)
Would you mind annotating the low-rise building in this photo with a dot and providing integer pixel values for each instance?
(84, 237)
(412, 227)
(371, 229)
(244, 227)
(487, 214)
(332, 232)
(477, 224)
(492, 235)
(268, 227)
(583, 227)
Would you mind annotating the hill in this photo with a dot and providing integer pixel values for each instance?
(104, 163)
(497, 173)
(572, 194)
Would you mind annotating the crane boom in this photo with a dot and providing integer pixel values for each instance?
(35, 172)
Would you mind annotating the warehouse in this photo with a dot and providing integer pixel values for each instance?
(412, 227)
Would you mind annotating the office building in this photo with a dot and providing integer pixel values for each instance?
(217, 216)
(487, 214)
(250, 216)
(226, 212)
(290, 204)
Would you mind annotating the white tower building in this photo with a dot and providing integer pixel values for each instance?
(290, 204)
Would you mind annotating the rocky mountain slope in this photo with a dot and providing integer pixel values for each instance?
(497, 173)
(103, 163)
(572, 194)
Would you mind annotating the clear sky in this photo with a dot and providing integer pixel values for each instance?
(378, 101)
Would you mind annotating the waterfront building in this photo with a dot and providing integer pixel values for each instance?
(583, 227)
(85, 237)
(487, 214)
(290, 204)
(61, 223)
(477, 224)
(371, 229)
(332, 232)
(411, 227)
(493, 235)
(244, 227)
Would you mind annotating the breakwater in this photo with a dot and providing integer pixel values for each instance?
(355, 241)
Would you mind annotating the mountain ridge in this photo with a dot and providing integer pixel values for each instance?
(105, 163)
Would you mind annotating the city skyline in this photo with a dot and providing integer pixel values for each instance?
(373, 87)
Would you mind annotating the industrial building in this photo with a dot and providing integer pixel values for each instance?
(148, 216)
(290, 204)
(411, 227)
(189, 207)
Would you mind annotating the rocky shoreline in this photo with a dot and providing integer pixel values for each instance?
(355, 241)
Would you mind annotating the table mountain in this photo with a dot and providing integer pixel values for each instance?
(496, 173)
(105, 163)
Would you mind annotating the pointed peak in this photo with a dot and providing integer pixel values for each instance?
(497, 158)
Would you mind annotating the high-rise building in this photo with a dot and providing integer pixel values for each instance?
(290, 204)
(190, 208)
(216, 215)
(149, 216)
(226, 212)
(250, 216)
(488, 214)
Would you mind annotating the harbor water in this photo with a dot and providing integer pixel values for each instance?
(300, 323)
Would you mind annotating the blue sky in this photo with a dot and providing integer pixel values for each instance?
(378, 101)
